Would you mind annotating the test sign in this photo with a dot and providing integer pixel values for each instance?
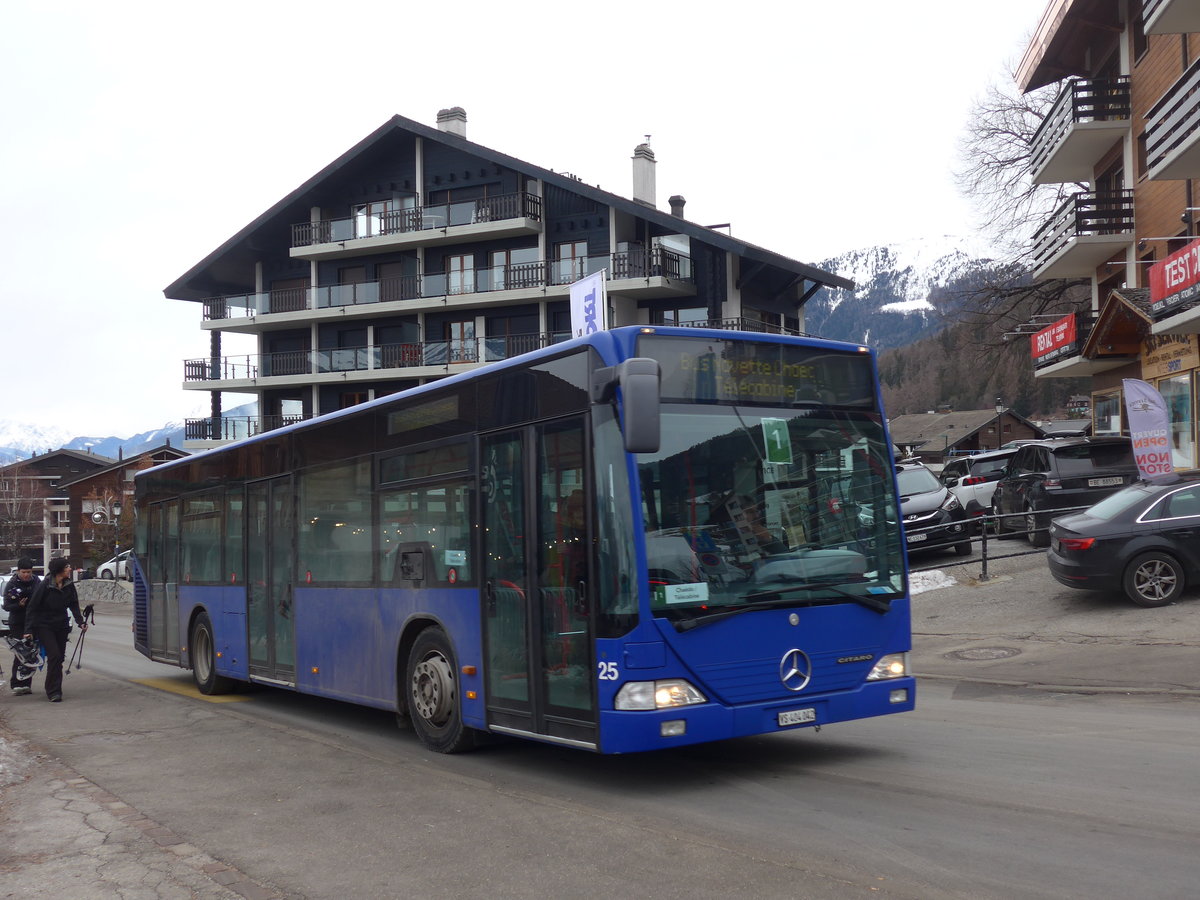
(1175, 280)
(1053, 339)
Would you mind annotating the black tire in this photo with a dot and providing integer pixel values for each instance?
(963, 549)
(106, 575)
(431, 683)
(1037, 537)
(1153, 579)
(202, 648)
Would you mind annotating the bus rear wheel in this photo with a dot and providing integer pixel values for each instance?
(202, 647)
(433, 695)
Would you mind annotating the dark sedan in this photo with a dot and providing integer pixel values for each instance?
(932, 515)
(1143, 540)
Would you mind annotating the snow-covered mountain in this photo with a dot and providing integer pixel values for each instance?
(898, 288)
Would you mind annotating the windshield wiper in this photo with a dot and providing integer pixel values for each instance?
(756, 602)
(689, 624)
(872, 603)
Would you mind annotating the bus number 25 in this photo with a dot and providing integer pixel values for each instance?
(608, 671)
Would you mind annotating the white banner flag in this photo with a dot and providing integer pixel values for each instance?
(589, 305)
(1150, 431)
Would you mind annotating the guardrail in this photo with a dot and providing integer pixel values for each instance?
(989, 525)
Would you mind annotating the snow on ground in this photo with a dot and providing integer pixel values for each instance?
(919, 582)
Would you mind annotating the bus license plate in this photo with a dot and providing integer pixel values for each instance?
(1105, 482)
(913, 538)
(797, 716)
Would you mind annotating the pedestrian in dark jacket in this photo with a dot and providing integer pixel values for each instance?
(17, 594)
(46, 618)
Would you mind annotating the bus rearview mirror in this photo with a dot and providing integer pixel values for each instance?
(638, 378)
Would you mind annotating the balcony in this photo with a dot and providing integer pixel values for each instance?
(507, 215)
(1173, 130)
(233, 428)
(657, 272)
(1088, 117)
(1089, 228)
(1170, 16)
(418, 358)
(359, 363)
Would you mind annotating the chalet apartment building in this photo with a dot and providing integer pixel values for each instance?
(418, 254)
(1126, 124)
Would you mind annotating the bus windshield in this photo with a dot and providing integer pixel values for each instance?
(746, 506)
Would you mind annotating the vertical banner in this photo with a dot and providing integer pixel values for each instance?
(589, 305)
(1150, 431)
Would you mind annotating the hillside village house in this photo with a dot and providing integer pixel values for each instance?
(1126, 124)
(99, 506)
(934, 436)
(418, 253)
(34, 515)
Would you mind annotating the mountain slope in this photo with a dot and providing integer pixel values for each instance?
(903, 291)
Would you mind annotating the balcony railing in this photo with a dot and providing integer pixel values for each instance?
(1086, 119)
(251, 367)
(626, 264)
(234, 428)
(1173, 130)
(361, 359)
(1097, 222)
(1171, 16)
(520, 205)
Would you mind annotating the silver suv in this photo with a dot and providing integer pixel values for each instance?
(972, 479)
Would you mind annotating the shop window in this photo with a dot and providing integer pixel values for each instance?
(1177, 392)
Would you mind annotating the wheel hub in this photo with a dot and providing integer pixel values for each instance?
(433, 689)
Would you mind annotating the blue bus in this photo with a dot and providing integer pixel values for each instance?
(639, 539)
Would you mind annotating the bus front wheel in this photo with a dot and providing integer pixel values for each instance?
(202, 647)
(433, 695)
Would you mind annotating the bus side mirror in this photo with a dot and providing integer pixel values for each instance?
(638, 379)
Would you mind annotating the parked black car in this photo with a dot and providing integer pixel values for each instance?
(1058, 474)
(932, 515)
(1143, 540)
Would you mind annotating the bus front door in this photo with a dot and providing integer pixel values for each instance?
(269, 621)
(537, 572)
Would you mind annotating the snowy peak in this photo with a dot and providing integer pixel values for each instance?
(897, 288)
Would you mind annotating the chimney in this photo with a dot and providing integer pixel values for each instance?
(677, 203)
(643, 175)
(453, 121)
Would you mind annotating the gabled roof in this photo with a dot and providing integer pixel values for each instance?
(92, 459)
(241, 250)
(1122, 325)
(938, 430)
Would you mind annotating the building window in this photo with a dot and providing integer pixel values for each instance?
(460, 274)
(1106, 412)
(570, 261)
(1177, 392)
(515, 268)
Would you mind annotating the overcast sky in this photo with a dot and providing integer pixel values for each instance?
(139, 136)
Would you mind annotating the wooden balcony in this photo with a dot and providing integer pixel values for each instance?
(1171, 16)
(1087, 118)
(642, 273)
(1173, 130)
(1089, 228)
(507, 215)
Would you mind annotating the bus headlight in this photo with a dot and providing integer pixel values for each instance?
(894, 665)
(657, 694)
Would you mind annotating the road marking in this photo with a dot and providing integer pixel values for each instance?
(188, 689)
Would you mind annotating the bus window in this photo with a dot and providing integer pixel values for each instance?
(435, 519)
(336, 540)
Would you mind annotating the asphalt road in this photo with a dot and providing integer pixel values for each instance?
(1052, 754)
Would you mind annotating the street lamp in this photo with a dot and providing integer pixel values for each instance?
(999, 412)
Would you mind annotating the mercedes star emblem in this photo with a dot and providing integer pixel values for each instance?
(795, 670)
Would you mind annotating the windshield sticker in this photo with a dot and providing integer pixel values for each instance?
(686, 593)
